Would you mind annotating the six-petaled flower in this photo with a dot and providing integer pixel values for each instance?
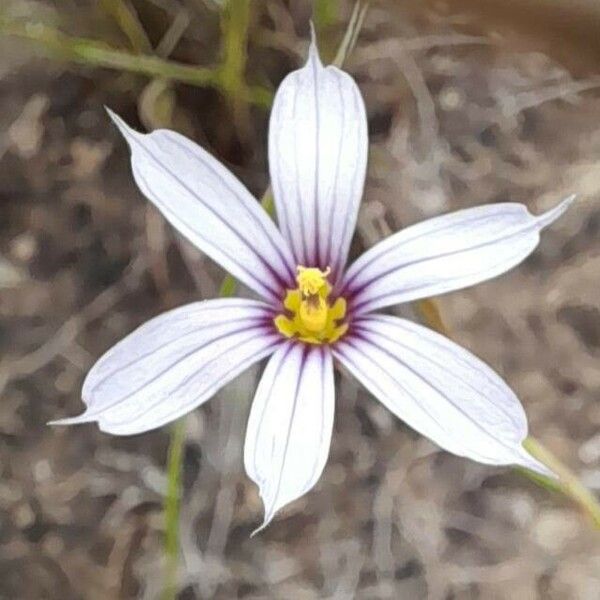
(312, 311)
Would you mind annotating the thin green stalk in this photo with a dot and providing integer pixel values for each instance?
(99, 54)
(172, 504)
(93, 53)
(569, 483)
(228, 287)
(325, 14)
(234, 25)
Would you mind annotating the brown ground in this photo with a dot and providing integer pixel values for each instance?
(455, 121)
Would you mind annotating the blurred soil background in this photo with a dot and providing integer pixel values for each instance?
(468, 103)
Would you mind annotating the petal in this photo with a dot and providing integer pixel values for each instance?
(174, 363)
(317, 156)
(444, 254)
(290, 424)
(205, 202)
(439, 389)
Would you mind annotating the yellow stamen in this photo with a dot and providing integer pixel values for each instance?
(312, 318)
(311, 280)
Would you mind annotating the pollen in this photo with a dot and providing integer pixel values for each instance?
(311, 317)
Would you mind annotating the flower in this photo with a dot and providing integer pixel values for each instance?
(313, 311)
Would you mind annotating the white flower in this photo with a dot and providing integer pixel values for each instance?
(313, 311)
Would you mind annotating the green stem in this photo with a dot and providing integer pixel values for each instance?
(172, 504)
(569, 483)
(325, 14)
(234, 25)
(93, 53)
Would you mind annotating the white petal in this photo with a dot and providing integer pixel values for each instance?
(444, 254)
(439, 389)
(318, 146)
(290, 424)
(205, 202)
(174, 363)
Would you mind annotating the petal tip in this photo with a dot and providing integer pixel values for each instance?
(533, 464)
(313, 49)
(126, 131)
(111, 113)
(555, 213)
(79, 419)
(268, 518)
(258, 529)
